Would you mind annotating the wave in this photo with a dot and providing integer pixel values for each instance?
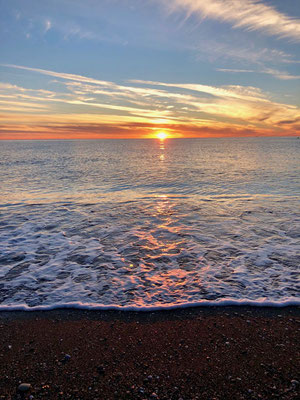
(115, 307)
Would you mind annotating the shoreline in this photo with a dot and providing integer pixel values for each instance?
(157, 308)
(201, 353)
(69, 313)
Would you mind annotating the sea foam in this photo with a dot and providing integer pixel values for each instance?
(112, 225)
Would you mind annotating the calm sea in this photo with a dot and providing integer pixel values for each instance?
(149, 223)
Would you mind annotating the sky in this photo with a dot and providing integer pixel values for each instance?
(89, 69)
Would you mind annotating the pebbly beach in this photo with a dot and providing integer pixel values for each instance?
(207, 353)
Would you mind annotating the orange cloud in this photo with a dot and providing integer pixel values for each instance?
(133, 130)
(101, 109)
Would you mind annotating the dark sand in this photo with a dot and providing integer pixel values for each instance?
(204, 353)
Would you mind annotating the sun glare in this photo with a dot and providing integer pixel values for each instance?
(161, 135)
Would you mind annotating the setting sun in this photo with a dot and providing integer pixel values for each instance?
(161, 135)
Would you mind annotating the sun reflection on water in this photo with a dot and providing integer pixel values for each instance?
(162, 150)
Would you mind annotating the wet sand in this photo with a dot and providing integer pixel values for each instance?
(214, 353)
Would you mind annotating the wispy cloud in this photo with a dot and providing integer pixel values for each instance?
(94, 130)
(234, 70)
(239, 92)
(234, 102)
(47, 25)
(249, 55)
(62, 75)
(246, 14)
(283, 75)
(83, 101)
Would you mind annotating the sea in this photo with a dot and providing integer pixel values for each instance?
(149, 224)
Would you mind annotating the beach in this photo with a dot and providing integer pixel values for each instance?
(194, 353)
(194, 252)
(149, 200)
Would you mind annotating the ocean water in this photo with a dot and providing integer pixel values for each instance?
(149, 224)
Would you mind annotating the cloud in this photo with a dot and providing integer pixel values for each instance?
(243, 103)
(129, 130)
(250, 15)
(79, 100)
(61, 75)
(283, 75)
(22, 104)
(47, 25)
(234, 70)
(290, 122)
(260, 58)
(239, 92)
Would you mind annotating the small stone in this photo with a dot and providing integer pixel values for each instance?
(24, 387)
(119, 375)
(100, 369)
(66, 358)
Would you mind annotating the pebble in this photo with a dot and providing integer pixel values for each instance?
(24, 387)
(101, 369)
(66, 358)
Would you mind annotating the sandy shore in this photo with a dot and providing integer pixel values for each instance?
(204, 353)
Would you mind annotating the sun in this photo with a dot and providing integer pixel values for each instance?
(161, 135)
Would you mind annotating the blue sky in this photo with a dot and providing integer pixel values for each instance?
(130, 68)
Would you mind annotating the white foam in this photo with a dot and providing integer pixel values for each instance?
(110, 224)
(204, 303)
(101, 258)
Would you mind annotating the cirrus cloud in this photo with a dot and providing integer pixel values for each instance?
(136, 108)
(251, 15)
